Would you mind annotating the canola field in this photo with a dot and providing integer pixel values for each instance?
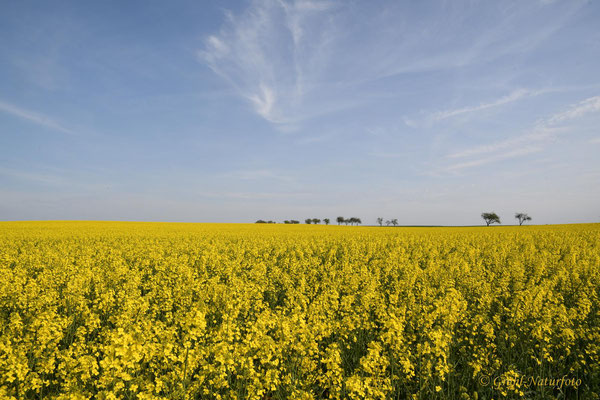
(111, 310)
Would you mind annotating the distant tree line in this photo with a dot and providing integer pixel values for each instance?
(387, 222)
(489, 218)
(493, 218)
(316, 221)
(351, 221)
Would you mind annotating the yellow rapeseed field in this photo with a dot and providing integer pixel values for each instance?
(111, 310)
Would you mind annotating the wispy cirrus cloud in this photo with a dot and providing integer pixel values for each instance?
(577, 110)
(33, 117)
(536, 136)
(494, 158)
(512, 97)
(270, 54)
(545, 131)
(294, 60)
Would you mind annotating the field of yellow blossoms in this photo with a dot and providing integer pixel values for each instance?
(111, 310)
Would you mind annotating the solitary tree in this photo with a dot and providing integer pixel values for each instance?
(326, 220)
(380, 221)
(388, 222)
(394, 222)
(340, 220)
(522, 217)
(316, 221)
(308, 221)
(490, 218)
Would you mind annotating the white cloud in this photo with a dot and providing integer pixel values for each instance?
(537, 136)
(514, 96)
(218, 48)
(545, 131)
(270, 54)
(494, 158)
(263, 102)
(31, 116)
(578, 110)
(295, 60)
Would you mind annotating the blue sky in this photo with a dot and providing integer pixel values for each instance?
(222, 111)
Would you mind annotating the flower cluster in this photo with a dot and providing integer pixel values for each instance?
(193, 311)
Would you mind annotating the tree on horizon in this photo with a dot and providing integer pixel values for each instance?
(490, 218)
(522, 217)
